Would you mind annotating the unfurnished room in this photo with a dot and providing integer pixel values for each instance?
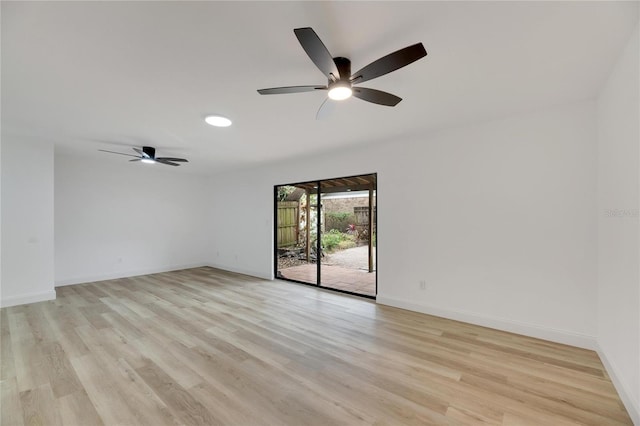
(320, 213)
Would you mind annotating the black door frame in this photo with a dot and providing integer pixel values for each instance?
(318, 187)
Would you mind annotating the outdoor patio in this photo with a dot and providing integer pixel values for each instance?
(333, 276)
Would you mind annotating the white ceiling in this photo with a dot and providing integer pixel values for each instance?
(110, 75)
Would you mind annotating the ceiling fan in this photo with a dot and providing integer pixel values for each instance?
(341, 81)
(148, 155)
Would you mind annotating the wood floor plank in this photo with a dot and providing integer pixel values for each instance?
(229, 409)
(76, 409)
(62, 377)
(106, 397)
(29, 361)
(39, 407)
(204, 346)
(93, 314)
(149, 407)
(64, 327)
(40, 327)
(187, 408)
(7, 365)
(10, 406)
(155, 349)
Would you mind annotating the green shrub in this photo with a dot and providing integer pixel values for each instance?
(346, 244)
(335, 239)
(338, 220)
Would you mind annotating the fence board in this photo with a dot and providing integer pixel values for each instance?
(288, 223)
(362, 221)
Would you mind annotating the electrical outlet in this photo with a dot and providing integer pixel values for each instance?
(423, 285)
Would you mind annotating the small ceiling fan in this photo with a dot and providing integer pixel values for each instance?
(148, 155)
(341, 81)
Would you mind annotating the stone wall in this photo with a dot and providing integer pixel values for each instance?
(336, 205)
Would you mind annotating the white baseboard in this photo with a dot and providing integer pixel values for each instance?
(531, 330)
(242, 271)
(23, 299)
(125, 274)
(138, 272)
(633, 407)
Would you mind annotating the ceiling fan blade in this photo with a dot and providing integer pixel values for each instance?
(290, 89)
(376, 96)
(326, 109)
(169, 163)
(136, 159)
(120, 153)
(317, 51)
(181, 160)
(389, 63)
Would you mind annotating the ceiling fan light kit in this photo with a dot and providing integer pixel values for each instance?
(340, 91)
(341, 81)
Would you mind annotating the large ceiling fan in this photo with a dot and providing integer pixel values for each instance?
(341, 81)
(148, 155)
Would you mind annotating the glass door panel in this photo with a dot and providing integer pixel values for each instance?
(296, 232)
(348, 253)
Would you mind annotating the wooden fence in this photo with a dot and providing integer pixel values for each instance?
(362, 221)
(288, 223)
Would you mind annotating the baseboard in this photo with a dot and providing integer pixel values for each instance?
(242, 271)
(633, 407)
(531, 330)
(126, 274)
(138, 272)
(23, 299)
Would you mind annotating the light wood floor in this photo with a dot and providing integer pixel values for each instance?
(203, 346)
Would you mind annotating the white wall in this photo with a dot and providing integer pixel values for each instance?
(618, 203)
(27, 221)
(122, 219)
(499, 219)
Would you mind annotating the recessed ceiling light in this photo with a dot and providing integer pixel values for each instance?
(218, 121)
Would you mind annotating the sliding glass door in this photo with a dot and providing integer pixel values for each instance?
(325, 233)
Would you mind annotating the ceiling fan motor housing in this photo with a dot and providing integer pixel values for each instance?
(150, 151)
(344, 68)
